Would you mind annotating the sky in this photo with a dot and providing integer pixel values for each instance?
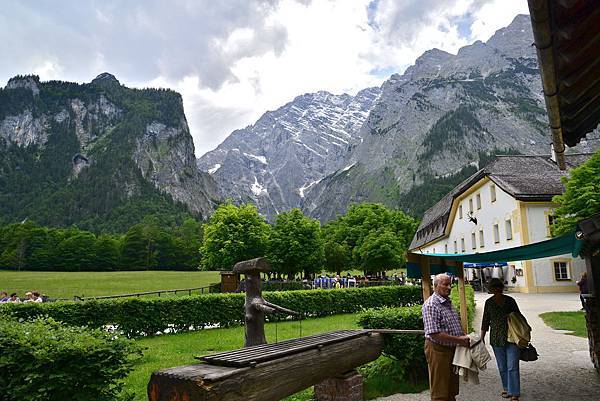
(233, 60)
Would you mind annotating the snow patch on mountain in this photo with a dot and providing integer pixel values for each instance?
(214, 169)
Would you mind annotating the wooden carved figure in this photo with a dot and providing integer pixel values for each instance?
(255, 305)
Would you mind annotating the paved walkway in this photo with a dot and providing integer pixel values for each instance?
(562, 372)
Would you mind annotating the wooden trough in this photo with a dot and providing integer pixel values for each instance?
(267, 372)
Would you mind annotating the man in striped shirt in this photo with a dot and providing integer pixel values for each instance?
(443, 333)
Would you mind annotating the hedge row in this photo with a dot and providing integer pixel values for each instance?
(407, 349)
(43, 360)
(138, 316)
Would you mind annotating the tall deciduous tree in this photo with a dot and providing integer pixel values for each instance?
(233, 234)
(381, 250)
(370, 220)
(296, 244)
(107, 253)
(581, 198)
(77, 251)
(337, 257)
(134, 254)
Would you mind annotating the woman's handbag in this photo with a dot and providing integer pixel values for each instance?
(529, 353)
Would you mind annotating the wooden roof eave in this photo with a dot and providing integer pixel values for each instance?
(540, 21)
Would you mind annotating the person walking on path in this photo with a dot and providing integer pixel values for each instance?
(443, 333)
(583, 288)
(495, 317)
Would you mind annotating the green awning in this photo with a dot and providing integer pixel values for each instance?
(567, 243)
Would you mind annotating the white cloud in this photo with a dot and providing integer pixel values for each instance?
(233, 60)
(494, 15)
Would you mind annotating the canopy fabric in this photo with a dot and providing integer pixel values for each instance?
(567, 243)
(483, 265)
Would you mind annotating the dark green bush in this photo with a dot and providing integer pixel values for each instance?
(282, 286)
(43, 360)
(139, 316)
(407, 349)
(454, 296)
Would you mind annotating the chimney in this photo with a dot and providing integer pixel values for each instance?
(552, 153)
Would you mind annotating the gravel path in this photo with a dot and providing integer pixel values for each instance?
(563, 371)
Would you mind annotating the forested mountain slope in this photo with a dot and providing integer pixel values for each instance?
(98, 155)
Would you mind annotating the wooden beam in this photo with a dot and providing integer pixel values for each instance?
(412, 257)
(269, 381)
(397, 331)
(425, 277)
(463, 298)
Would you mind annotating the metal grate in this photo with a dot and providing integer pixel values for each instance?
(267, 352)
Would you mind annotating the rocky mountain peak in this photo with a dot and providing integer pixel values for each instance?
(31, 82)
(274, 161)
(106, 79)
(515, 40)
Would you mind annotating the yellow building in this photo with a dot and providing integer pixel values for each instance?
(507, 204)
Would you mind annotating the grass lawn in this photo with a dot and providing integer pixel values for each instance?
(571, 321)
(68, 284)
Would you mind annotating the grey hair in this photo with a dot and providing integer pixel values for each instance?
(438, 277)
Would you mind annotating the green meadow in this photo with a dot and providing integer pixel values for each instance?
(87, 284)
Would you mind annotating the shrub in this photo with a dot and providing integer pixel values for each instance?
(138, 316)
(282, 286)
(42, 360)
(407, 349)
(470, 303)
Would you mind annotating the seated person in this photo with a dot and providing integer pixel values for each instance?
(37, 297)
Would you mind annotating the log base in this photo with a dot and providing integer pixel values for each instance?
(347, 387)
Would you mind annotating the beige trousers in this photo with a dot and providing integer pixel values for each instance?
(443, 383)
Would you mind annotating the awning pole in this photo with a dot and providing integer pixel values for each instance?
(463, 296)
(425, 277)
(481, 280)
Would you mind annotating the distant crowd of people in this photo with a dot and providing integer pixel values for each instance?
(32, 296)
(349, 281)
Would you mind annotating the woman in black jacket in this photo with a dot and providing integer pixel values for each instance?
(495, 319)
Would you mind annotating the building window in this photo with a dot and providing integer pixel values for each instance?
(460, 211)
(455, 247)
(473, 241)
(446, 248)
(508, 229)
(462, 245)
(493, 193)
(478, 201)
(496, 234)
(471, 205)
(561, 271)
(481, 242)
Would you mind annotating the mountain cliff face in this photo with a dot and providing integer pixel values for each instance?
(438, 121)
(98, 155)
(287, 151)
